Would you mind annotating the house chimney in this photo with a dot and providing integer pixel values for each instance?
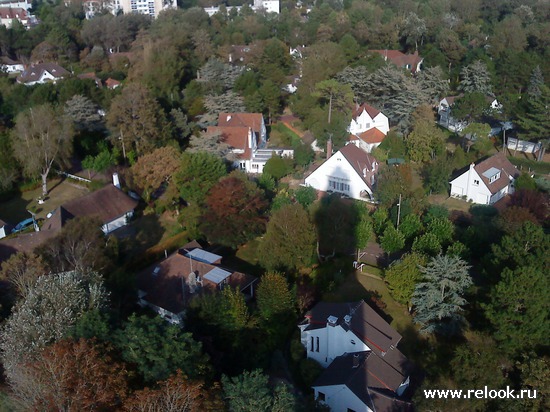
(329, 147)
(228, 117)
(116, 180)
(355, 361)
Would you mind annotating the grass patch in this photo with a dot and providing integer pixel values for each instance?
(450, 203)
(281, 135)
(527, 165)
(366, 286)
(61, 191)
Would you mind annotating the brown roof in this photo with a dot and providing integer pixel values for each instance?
(34, 72)
(252, 120)
(24, 242)
(235, 137)
(7, 61)
(371, 136)
(13, 13)
(3, 223)
(359, 160)
(369, 109)
(111, 83)
(400, 59)
(500, 162)
(107, 203)
(370, 377)
(163, 281)
(365, 323)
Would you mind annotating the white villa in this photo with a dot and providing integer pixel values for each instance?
(487, 182)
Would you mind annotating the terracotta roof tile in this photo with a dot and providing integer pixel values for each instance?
(372, 136)
(252, 120)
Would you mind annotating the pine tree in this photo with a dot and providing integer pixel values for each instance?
(438, 300)
(534, 91)
(476, 78)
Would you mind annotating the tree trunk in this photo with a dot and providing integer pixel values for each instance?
(330, 109)
(44, 177)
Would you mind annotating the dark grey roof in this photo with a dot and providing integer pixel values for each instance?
(370, 378)
(34, 72)
(365, 323)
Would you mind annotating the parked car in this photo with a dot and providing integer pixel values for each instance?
(22, 225)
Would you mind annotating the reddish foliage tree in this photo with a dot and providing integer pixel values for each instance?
(234, 211)
(176, 394)
(70, 376)
(536, 202)
(512, 218)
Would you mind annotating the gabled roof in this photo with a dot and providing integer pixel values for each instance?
(372, 112)
(164, 282)
(111, 83)
(500, 163)
(451, 99)
(13, 13)
(5, 60)
(107, 204)
(370, 378)
(359, 160)
(34, 72)
(252, 120)
(2, 223)
(371, 136)
(365, 323)
(235, 137)
(401, 59)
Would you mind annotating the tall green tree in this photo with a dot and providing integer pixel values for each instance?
(41, 138)
(424, 141)
(198, 173)
(338, 96)
(519, 308)
(403, 275)
(438, 299)
(476, 78)
(136, 120)
(158, 349)
(392, 240)
(274, 296)
(290, 239)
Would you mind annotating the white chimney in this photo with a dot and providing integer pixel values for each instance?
(116, 180)
(228, 117)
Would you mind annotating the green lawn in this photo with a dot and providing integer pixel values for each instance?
(527, 165)
(280, 135)
(15, 209)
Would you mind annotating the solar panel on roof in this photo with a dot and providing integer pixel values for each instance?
(217, 275)
(203, 256)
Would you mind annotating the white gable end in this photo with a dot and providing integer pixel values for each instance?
(470, 186)
(337, 175)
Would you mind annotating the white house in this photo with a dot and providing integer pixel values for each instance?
(444, 111)
(487, 182)
(246, 136)
(412, 62)
(269, 6)
(368, 140)
(366, 117)
(10, 66)
(4, 229)
(42, 73)
(364, 369)
(350, 171)
(110, 205)
(10, 14)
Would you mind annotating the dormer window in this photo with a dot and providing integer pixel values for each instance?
(495, 177)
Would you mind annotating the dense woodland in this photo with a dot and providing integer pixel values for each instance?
(475, 285)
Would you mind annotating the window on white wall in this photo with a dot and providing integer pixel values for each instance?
(311, 346)
(476, 182)
(321, 396)
(317, 344)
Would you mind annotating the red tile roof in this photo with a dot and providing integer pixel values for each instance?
(111, 83)
(371, 136)
(401, 59)
(13, 13)
(235, 137)
(252, 120)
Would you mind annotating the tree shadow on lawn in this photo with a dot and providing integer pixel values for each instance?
(143, 233)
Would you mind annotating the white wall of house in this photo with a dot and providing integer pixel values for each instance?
(171, 317)
(364, 122)
(340, 398)
(367, 147)
(117, 223)
(3, 232)
(325, 344)
(13, 68)
(470, 186)
(337, 175)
